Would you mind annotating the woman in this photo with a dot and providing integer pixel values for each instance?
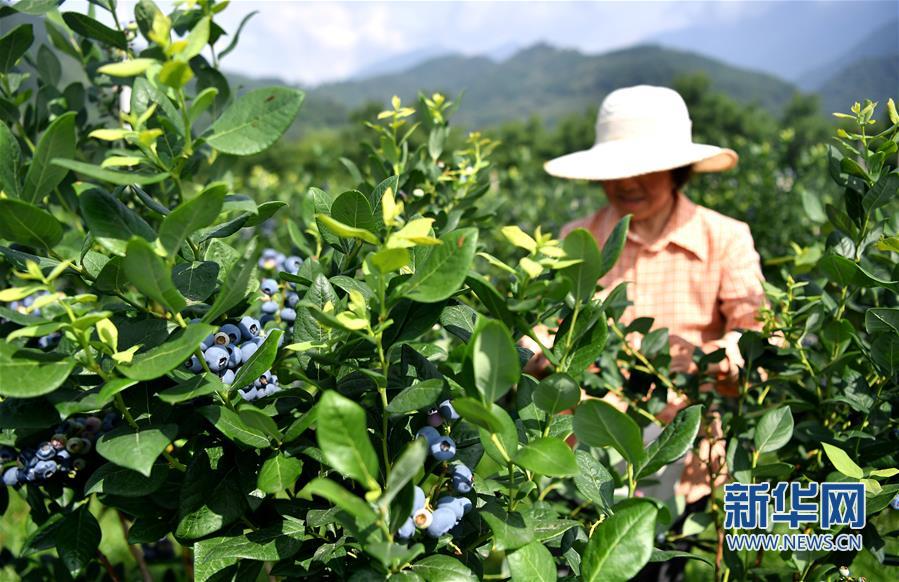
(694, 271)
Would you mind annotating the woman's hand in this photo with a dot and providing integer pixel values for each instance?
(681, 355)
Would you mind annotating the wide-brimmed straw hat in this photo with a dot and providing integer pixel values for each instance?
(640, 130)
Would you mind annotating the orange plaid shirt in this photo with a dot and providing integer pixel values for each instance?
(701, 278)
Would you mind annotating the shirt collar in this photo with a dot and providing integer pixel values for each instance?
(681, 230)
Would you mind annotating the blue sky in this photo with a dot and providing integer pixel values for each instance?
(311, 42)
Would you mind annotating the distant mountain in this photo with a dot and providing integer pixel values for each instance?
(783, 38)
(551, 82)
(883, 42)
(875, 78)
(399, 62)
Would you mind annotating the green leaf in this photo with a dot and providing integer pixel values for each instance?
(443, 568)
(774, 430)
(673, 443)
(190, 217)
(842, 462)
(196, 386)
(476, 412)
(136, 449)
(345, 230)
(147, 271)
(255, 121)
(621, 545)
(113, 387)
(29, 373)
(111, 176)
(594, 481)
(235, 287)
(111, 479)
(77, 539)
(342, 435)
(273, 543)
(230, 424)
(533, 562)
(879, 319)
(599, 424)
(10, 162)
(548, 456)
(210, 496)
(27, 224)
(112, 223)
(418, 396)
(493, 360)
(580, 244)
(885, 353)
(614, 245)
(196, 281)
(409, 463)
(510, 530)
(261, 360)
(278, 473)
(505, 432)
(882, 192)
(845, 273)
(441, 269)
(164, 358)
(90, 28)
(557, 392)
(668, 555)
(13, 45)
(340, 497)
(352, 209)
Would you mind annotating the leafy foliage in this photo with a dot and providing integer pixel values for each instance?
(379, 424)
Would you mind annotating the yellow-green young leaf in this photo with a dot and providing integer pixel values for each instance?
(390, 260)
(175, 74)
(108, 334)
(531, 267)
(196, 40)
(872, 486)
(58, 270)
(120, 161)
(891, 108)
(16, 293)
(496, 262)
(885, 473)
(416, 232)
(130, 68)
(842, 462)
(110, 134)
(126, 356)
(341, 229)
(390, 210)
(519, 238)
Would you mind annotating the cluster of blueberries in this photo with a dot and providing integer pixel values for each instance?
(448, 510)
(272, 260)
(225, 350)
(63, 454)
(45, 342)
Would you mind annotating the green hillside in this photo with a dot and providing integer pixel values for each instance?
(875, 77)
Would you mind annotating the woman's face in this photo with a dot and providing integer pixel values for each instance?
(643, 196)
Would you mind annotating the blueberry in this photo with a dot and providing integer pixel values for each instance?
(216, 358)
(243, 394)
(292, 299)
(419, 500)
(895, 502)
(247, 350)
(249, 327)
(268, 259)
(434, 419)
(228, 377)
(453, 504)
(234, 333)
(462, 478)
(292, 264)
(406, 530)
(11, 476)
(45, 469)
(263, 380)
(63, 456)
(78, 446)
(443, 449)
(269, 307)
(235, 356)
(268, 287)
(465, 503)
(288, 315)
(6, 454)
(430, 433)
(447, 410)
(193, 364)
(442, 520)
(421, 518)
(45, 451)
(221, 338)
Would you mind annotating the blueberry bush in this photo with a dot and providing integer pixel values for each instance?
(177, 402)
